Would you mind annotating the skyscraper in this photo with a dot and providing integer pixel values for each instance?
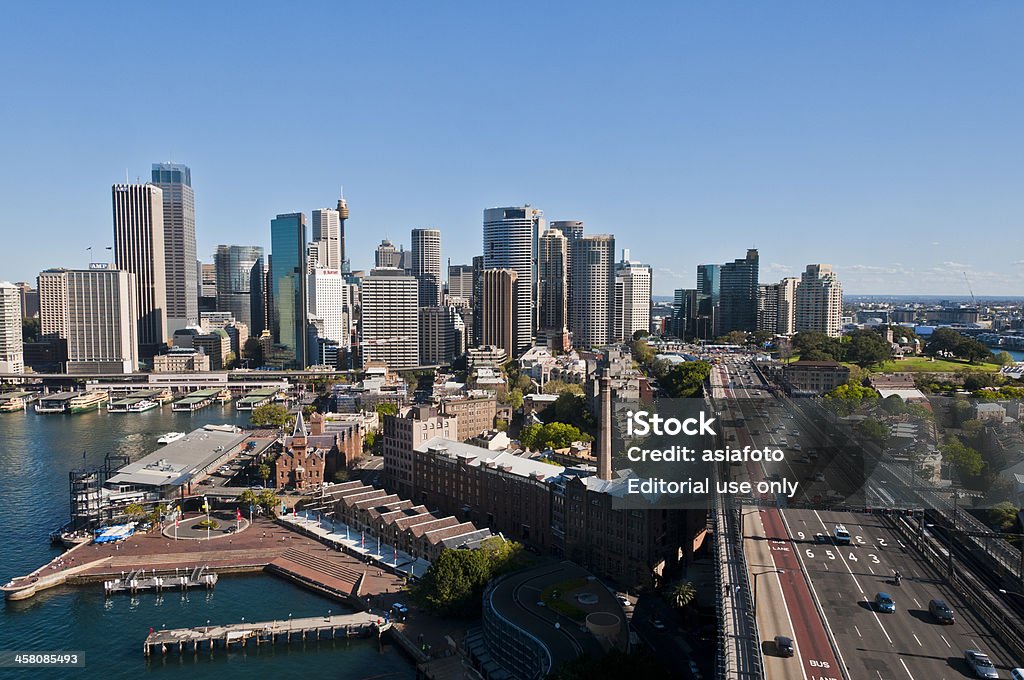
(175, 180)
(390, 318)
(442, 335)
(327, 236)
(329, 302)
(592, 317)
(572, 230)
(738, 301)
(426, 265)
(460, 283)
(632, 298)
(386, 255)
(510, 242)
(552, 285)
(776, 310)
(288, 282)
(96, 313)
(139, 249)
(239, 275)
(684, 313)
(497, 309)
(819, 301)
(12, 357)
(708, 297)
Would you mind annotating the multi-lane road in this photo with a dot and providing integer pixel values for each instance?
(820, 593)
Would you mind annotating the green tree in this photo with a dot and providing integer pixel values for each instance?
(513, 398)
(454, 583)
(846, 399)
(561, 387)
(551, 436)
(735, 338)
(682, 594)
(387, 408)
(874, 430)
(264, 472)
(965, 459)
(642, 351)
(369, 441)
(866, 348)
(522, 383)
(686, 379)
(135, 511)
(248, 497)
(815, 346)
(759, 338)
(1003, 516)
(893, 405)
(253, 351)
(570, 409)
(30, 328)
(977, 381)
(272, 415)
(528, 435)
(1003, 359)
(268, 500)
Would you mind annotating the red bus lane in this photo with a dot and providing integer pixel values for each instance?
(819, 660)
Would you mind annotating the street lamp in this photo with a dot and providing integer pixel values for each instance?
(1011, 592)
(759, 573)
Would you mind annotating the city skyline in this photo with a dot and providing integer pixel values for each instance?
(688, 174)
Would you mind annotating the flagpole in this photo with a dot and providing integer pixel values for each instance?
(207, 504)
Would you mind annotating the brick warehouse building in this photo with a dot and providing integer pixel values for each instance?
(312, 457)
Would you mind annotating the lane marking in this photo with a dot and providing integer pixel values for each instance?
(785, 606)
(916, 602)
(858, 631)
(945, 640)
(904, 664)
(918, 640)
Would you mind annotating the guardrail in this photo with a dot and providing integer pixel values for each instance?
(739, 640)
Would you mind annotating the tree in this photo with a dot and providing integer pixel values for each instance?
(759, 338)
(874, 430)
(824, 348)
(230, 359)
(253, 351)
(846, 399)
(369, 440)
(342, 475)
(134, 511)
(641, 333)
(248, 497)
(893, 405)
(528, 435)
(387, 408)
(976, 381)
(1003, 359)
(522, 383)
(274, 415)
(513, 398)
(965, 459)
(682, 594)
(30, 328)
(264, 472)
(866, 348)
(735, 338)
(686, 379)
(561, 387)
(942, 343)
(1003, 516)
(454, 583)
(551, 436)
(268, 500)
(570, 409)
(642, 351)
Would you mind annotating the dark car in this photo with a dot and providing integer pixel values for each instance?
(784, 646)
(941, 611)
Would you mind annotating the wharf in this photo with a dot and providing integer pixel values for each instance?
(136, 580)
(238, 635)
(199, 399)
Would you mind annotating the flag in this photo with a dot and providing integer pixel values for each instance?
(238, 514)
(396, 554)
(362, 539)
(295, 511)
(175, 522)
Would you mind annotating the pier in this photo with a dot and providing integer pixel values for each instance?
(239, 635)
(182, 579)
(257, 398)
(196, 400)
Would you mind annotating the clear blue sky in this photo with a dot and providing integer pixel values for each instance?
(884, 138)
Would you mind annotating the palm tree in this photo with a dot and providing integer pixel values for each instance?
(264, 472)
(682, 594)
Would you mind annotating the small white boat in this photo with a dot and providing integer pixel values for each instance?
(170, 437)
(142, 406)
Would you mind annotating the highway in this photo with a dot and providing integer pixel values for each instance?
(842, 580)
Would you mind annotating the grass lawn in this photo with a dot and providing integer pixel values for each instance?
(555, 598)
(926, 365)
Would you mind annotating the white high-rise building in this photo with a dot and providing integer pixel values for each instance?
(12, 356)
(426, 265)
(179, 204)
(330, 303)
(819, 301)
(592, 305)
(510, 242)
(327, 236)
(53, 295)
(390, 318)
(99, 316)
(460, 284)
(776, 307)
(632, 298)
(139, 249)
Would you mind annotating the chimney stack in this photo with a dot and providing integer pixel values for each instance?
(604, 439)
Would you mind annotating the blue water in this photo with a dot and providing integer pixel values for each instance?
(36, 453)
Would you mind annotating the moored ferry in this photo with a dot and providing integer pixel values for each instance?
(89, 401)
(14, 401)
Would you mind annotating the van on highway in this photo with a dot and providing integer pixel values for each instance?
(840, 535)
(1017, 674)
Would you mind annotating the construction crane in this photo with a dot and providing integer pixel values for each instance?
(974, 300)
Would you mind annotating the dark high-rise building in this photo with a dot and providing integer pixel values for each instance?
(239, 273)
(572, 230)
(175, 180)
(510, 242)
(552, 285)
(708, 297)
(684, 313)
(738, 302)
(288, 283)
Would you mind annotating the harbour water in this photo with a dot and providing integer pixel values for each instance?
(36, 454)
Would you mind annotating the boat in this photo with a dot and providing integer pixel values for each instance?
(89, 401)
(55, 403)
(142, 406)
(13, 401)
(170, 437)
